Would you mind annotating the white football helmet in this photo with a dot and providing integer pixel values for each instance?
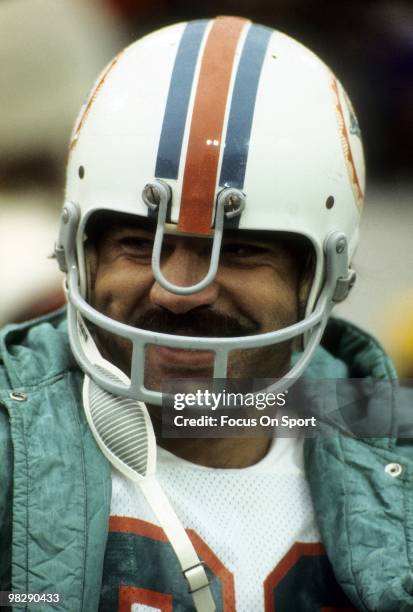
(206, 125)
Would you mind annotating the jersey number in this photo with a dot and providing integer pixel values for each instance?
(303, 581)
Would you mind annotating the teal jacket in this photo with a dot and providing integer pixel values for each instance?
(55, 485)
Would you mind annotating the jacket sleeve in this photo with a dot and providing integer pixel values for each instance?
(5, 500)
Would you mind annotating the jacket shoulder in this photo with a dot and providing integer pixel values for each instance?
(35, 351)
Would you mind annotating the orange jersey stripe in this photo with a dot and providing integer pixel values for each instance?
(204, 144)
(129, 595)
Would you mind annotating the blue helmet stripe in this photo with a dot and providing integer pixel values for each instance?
(176, 110)
(235, 157)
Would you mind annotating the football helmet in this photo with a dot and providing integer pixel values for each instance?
(207, 125)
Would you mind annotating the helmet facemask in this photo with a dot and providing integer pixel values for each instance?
(141, 337)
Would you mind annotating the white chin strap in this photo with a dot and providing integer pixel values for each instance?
(123, 430)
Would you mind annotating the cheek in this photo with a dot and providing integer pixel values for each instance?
(266, 295)
(119, 287)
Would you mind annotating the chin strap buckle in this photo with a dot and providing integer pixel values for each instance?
(343, 286)
(60, 255)
(340, 277)
(199, 587)
(65, 247)
(196, 578)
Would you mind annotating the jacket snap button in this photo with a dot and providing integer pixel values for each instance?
(18, 396)
(393, 469)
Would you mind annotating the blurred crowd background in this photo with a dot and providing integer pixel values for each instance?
(50, 54)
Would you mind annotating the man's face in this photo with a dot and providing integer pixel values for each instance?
(256, 290)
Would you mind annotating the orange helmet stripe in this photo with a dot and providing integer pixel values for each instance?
(205, 136)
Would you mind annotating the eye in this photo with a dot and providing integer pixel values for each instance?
(242, 249)
(136, 245)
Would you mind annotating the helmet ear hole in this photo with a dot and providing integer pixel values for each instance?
(306, 279)
(91, 265)
(305, 283)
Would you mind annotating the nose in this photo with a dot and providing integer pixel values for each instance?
(184, 266)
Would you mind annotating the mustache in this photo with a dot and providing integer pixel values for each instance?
(201, 322)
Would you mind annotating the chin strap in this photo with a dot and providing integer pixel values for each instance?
(192, 567)
(123, 430)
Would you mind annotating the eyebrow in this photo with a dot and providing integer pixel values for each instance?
(102, 223)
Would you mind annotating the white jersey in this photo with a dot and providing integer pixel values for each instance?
(244, 522)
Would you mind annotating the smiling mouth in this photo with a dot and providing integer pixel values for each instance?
(192, 359)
